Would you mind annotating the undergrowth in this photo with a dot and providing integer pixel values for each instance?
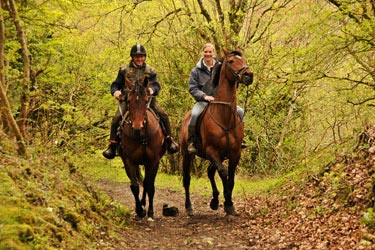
(49, 201)
(46, 203)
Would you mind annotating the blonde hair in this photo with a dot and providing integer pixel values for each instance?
(209, 45)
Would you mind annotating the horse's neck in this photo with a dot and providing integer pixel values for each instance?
(226, 106)
(226, 91)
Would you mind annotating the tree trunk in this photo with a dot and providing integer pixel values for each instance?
(26, 68)
(5, 110)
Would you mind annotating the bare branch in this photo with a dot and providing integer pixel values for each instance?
(157, 22)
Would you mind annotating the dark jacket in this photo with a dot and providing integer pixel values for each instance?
(134, 73)
(200, 81)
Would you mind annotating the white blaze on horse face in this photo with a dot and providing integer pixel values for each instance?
(138, 125)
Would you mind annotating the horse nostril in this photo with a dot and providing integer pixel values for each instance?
(248, 78)
(137, 132)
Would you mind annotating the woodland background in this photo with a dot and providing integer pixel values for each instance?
(313, 61)
(314, 65)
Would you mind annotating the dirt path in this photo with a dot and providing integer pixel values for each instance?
(207, 229)
(307, 220)
(330, 210)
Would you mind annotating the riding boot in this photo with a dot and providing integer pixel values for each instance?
(173, 147)
(191, 140)
(110, 152)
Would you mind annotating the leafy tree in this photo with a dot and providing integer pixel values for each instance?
(354, 39)
(312, 63)
(6, 111)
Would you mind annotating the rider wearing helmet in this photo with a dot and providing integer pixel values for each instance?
(137, 69)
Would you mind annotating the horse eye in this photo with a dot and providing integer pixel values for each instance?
(230, 61)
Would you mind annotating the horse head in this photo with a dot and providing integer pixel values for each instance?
(238, 69)
(137, 103)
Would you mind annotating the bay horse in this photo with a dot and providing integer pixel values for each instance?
(221, 132)
(142, 143)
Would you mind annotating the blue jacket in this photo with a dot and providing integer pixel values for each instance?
(200, 81)
(134, 73)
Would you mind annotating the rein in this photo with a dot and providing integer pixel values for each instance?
(226, 130)
(229, 104)
(238, 76)
(150, 135)
(125, 121)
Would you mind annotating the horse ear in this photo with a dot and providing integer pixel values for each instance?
(226, 52)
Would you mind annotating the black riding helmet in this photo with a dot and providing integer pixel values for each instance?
(138, 50)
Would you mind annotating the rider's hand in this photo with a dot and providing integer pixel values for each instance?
(209, 98)
(117, 94)
(150, 91)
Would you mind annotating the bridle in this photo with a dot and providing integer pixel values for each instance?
(238, 79)
(239, 74)
(126, 117)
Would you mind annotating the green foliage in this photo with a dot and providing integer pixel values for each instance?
(45, 203)
(368, 218)
(313, 86)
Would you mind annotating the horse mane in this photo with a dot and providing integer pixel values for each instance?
(216, 73)
(236, 53)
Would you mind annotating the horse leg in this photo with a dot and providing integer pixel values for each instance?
(144, 193)
(228, 203)
(134, 187)
(138, 206)
(223, 173)
(149, 187)
(139, 178)
(214, 204)
(187, 161)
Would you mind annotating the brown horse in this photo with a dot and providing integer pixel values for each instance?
(221, 132)
(142, 144)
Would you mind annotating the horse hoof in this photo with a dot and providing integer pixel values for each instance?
(150, 219)
(136, 218)
(231, 211)
(189, 212)
(214, 204)
(141, 213)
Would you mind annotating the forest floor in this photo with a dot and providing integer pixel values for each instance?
(311, 216)
(206, 229)
(331, 209)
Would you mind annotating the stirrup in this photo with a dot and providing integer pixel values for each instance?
(173, 147)
(191, 148)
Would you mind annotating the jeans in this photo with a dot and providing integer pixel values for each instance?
(198, 108)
